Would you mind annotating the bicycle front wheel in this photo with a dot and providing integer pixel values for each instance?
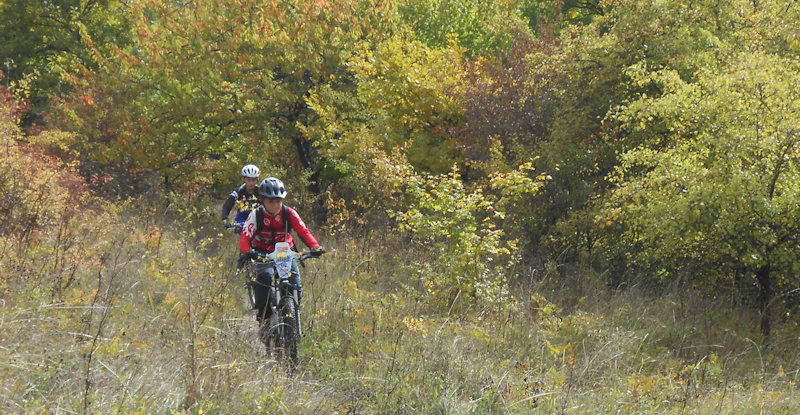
(251, 295)
(290, 329)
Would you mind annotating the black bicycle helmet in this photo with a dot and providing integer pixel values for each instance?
(272, 188)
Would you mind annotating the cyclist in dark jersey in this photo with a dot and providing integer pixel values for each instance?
(243, 198)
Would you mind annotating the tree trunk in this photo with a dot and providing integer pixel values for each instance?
(765, 294)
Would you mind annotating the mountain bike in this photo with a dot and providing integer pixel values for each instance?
(282, 331)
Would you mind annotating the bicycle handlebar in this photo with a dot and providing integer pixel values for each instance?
(261, 256)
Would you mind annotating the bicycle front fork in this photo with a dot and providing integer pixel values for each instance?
(299, 325)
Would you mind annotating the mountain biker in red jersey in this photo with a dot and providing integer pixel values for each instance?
(243, 198)
(266, 225)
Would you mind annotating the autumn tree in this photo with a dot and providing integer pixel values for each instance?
(585, 77)
(718, 205)
(209, 85)
(41, 40)
(403, 116)
(481, 27)
(41, 199)
(705, 193)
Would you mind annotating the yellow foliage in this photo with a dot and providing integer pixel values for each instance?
(416, 325)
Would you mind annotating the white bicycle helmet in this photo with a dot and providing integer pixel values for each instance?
(250, 171)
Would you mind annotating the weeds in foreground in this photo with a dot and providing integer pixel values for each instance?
(150, 318)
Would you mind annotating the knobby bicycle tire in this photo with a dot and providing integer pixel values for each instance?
(290, 324)
(250, 282)
(270, 335)
(251, 295)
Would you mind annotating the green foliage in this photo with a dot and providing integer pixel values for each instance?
(207, 86)
(471, 255)
(716, 196)
(470, 252)
(403, 85)
(544, 16)
(41, 40)
(394, 121)
(633, 51)
(585, 75)
(480, 26)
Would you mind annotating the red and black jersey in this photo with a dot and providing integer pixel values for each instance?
(273, 229)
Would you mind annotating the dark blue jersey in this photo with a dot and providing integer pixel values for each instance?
(244, 202)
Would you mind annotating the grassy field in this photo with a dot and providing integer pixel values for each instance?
(133, 314)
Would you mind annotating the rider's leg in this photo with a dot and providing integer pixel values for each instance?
(263, 282)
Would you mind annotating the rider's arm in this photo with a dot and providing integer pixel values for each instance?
(247, 232)
(228, 205)
(302, 230)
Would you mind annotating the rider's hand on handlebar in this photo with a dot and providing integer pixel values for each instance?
(231, 226)
(247, 257)
(243, 259)
(317, 251)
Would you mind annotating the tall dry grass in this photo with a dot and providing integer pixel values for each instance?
(145, 314)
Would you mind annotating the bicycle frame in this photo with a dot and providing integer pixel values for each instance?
(283, 331)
